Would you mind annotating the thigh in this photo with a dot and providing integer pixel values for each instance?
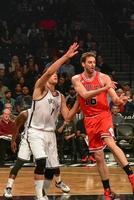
(52, 160)
(37, 144)
(24, 152)
(93, 129)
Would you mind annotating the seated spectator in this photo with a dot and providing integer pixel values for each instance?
(81, 141)
(31, 72)
(3, 89)
(68, 69)
(6, 130)
(8, 99)
(129, 106)
(24, 101)
(126, 87)
(121, 107)
(18, 91)
(71, 97)
(19, 38)
(61, 86)
(3, 76)
(13, 113)
(104, 67)
(116, 115)
(15, 64)
(70, 139)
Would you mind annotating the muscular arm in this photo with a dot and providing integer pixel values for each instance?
(81, 90)
(116, 100)
(19, 121)
(40, 84)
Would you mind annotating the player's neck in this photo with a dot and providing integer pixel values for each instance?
(89, 75)
(51, 87)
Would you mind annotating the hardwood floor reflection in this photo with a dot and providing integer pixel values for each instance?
(81, 180)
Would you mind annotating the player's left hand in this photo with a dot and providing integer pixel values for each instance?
(72, 50)
(123, 99)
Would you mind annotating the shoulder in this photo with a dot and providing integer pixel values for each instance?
(23, 114)
(104, 78)
(76, 78)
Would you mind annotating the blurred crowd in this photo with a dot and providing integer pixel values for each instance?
(30, 43)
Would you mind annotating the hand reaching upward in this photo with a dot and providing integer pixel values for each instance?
(72, 50)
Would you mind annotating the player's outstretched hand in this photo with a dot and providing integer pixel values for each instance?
(72, 50)
(123, 99)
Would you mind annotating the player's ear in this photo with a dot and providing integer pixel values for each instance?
(83, 64)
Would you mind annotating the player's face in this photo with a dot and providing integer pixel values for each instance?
(53, 79)
(89, 64)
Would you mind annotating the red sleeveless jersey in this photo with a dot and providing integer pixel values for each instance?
(95, 105)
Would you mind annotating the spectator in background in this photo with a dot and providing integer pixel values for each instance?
(18, 91)
(21, 81)
(116, 115)
(68, 69)
(3, 89)
(125, 86)
(13, 113)
(129, 106)
(24, 101)
(33, 37)
(81, 141)
(71, 97)
(104, 67)
(8, 99)
(119, 92)
(61, 86)
(15, 64)
(14, 78)
(129, 35)
(31, 70)
(19, 38)
(3, 76)
(5, 38)
(70, 138)
(6, 130)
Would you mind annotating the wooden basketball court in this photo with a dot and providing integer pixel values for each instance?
(82, 181)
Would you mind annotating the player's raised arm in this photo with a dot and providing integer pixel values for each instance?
(72, 51)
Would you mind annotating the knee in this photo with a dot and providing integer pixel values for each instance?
(19, 163)
(49, 174)
(57, 171)
(110, 142)
(40, 166)
(99, 156)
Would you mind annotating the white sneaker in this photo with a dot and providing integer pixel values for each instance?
(8, 193)
(65, 196)
(43, 198)
(62, 186)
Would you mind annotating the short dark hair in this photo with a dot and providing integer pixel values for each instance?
(7, 91)
(87, 54)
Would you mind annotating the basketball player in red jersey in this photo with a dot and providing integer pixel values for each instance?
(98, 120)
